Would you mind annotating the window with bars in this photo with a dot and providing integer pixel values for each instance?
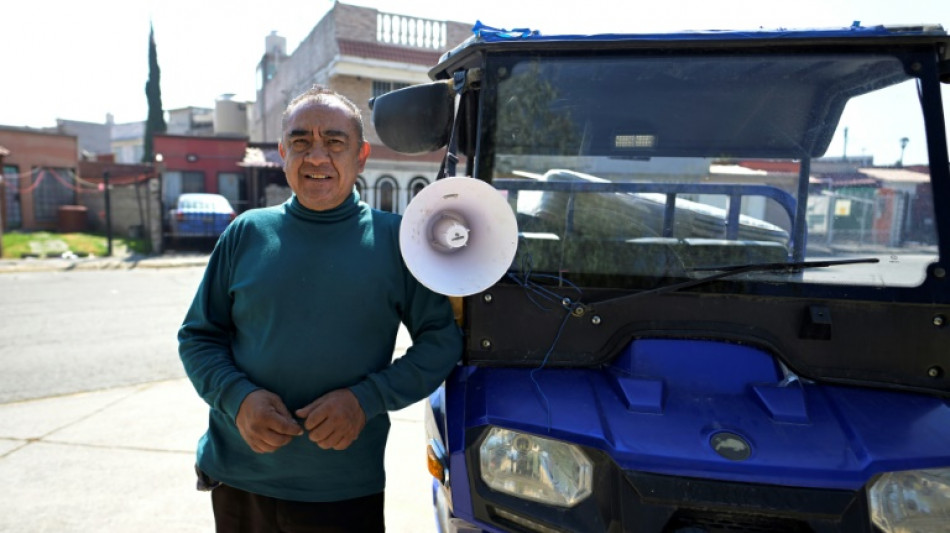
(192, 181)
(233, 186)
(382, 87)
(386, 194)
(415, 186)
(54, 187)
(176, 182)
(12, 184)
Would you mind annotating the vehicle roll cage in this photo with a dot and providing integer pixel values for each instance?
(735, 193)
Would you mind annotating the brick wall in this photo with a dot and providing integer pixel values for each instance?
(136, 211)
(359, 91)
(355, 23)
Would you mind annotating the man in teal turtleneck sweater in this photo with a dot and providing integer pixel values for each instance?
(290, 338)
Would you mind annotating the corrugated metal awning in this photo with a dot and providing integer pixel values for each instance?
(895, 175)
(261, 158)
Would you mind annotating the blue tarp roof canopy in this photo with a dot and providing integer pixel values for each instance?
(484, 33)
(761, 103)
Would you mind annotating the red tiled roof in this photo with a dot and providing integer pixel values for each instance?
(119, 173)
(385, 52)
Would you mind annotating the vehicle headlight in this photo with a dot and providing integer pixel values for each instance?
(914, 500)
(535, 468)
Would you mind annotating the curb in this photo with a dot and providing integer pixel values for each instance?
(8, 266)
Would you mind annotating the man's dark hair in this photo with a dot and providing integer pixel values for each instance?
(321, 93)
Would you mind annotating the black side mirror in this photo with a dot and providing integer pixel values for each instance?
(416, 119)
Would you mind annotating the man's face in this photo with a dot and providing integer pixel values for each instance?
(322, 153)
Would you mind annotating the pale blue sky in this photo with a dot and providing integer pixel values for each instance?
(81, 60)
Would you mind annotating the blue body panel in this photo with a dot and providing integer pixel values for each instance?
(197, 224)
(655, 407)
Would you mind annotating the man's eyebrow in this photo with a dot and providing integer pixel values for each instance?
(324, 133)
(335, 133)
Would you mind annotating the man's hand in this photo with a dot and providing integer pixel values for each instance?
(334, 420)
(265, 422)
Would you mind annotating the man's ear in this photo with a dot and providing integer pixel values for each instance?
(280, 150)
(364, 154)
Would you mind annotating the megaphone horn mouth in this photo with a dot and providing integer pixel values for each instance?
(458, 236)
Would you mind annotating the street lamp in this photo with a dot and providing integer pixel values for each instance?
(904, 141)
(159, 170)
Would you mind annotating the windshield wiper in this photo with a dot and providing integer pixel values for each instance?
(733, 270)
(784, 267)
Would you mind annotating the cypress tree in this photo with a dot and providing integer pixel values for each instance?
(153, 92)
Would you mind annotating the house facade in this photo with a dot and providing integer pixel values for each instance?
(190, 163)
(361, 53)
(94, 138)
(128, 142)
(39, 176)
(190, 121)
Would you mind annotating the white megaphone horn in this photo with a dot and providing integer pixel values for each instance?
(458, 236)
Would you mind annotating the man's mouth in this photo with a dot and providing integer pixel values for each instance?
(315, 176)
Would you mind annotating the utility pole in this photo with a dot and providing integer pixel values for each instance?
(105, 184)
(3, 205)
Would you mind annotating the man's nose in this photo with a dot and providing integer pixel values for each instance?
(316, 154)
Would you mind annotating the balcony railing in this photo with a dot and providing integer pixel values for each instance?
(409, 31)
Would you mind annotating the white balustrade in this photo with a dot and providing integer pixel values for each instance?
(410, 31)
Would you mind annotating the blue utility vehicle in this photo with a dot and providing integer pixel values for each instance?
(728, 307)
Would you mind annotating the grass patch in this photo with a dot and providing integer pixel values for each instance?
(19, 244)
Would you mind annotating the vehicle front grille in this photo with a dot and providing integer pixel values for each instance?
(676, 504)
(694, 521)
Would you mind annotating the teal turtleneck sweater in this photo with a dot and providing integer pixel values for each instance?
(300, 303)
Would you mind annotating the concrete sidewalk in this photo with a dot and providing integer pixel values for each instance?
(122, 460)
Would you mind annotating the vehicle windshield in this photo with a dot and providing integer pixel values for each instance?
(639, 168)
